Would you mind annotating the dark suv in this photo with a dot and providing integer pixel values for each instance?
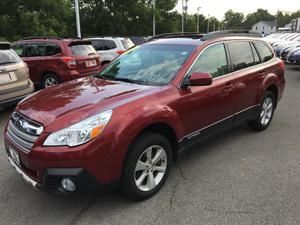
(54, 60)
(127, 124)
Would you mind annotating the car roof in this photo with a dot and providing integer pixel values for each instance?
(55, 40)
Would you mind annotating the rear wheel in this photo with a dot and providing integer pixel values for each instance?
(266, 113)
(147, 166)
(50, 80)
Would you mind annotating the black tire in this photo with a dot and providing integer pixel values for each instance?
(47, 78)
(257, 124)
(137, 149)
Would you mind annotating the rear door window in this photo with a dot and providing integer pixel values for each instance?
(241, 55)
(263, 51)
(82, 49)
(52, 49)
(212, 60)
(34, 50)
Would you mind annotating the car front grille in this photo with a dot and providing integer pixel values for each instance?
(23, 132)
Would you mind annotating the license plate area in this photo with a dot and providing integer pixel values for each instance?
(91, 63)
(7, 77)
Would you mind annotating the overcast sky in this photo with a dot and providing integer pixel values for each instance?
(217, 8)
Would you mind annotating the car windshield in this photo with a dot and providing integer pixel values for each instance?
(154, 65)
(8, 57)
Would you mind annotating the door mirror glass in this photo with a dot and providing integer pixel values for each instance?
(200, 79)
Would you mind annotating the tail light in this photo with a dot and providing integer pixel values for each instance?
(120, 52)
(70, 62)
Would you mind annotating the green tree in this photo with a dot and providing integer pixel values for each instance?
(233, 20)
(259, 15)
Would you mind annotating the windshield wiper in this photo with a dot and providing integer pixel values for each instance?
(128, 80)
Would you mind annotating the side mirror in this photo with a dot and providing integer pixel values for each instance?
(199, 79)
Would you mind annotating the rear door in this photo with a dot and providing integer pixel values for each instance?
(34, 55)
(85, 55)
(245, 77)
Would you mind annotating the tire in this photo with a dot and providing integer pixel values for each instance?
(49, 80)
(139, 170)
(266, 112)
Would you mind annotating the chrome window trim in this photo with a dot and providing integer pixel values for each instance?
(228, 74)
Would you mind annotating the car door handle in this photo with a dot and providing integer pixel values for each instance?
(228, 86)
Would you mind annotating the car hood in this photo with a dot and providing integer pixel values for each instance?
(79, 99)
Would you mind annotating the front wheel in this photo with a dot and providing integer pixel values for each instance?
(147, 166)
(266, 113)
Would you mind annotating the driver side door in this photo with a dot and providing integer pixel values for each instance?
(208, 109)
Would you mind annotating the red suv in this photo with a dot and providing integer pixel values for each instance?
(127, 124)
(54, 60)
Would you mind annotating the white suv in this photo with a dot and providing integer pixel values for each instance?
(110, 47)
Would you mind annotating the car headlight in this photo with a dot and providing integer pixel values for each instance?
(81, 132)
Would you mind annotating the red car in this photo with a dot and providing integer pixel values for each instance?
(53, 60)
(127, 124)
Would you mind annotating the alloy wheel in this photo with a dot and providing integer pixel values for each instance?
(150, 168)
(266, 111)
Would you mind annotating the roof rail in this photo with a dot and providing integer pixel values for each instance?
(177, 35)
(42, 37)
(230, 33)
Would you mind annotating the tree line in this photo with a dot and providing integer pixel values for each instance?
(24, 18)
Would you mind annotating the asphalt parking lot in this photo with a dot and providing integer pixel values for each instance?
(241, 177)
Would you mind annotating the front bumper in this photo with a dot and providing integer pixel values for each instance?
(44, 170)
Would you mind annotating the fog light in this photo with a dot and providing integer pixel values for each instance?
(68, 184)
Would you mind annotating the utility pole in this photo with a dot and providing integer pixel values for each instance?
(198, 9)
(154, 18)
(208, 24)
(77, 19)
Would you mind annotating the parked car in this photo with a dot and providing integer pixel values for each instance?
(129, 123)
(110, 48)
(293, 56)
(53, 60)
(14, 78)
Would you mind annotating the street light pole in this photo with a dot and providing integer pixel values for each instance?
(198, 19)
(154, 18)
(77, 19)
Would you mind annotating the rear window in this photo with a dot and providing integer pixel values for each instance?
(8, 57)
(127, 43)
(104, 45)
(263, 51)
(82, 50)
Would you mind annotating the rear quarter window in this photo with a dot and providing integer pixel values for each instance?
(82, 50)
(264, 52)
(52, 49)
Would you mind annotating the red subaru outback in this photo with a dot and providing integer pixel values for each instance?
(127, 124)
(53, 60)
